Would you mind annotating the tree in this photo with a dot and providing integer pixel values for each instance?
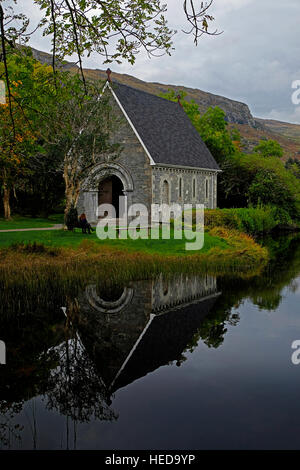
(268, 188)
(233, 183)
(269, 148)
(60, 125)
(250, 179)
(13, 150)
(293, 165)
(212, 127)
(40, 191)
(116, 29)
(80, 127)
(16, 143)
(20, 131)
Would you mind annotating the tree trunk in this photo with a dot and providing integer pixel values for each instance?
(72, 190)
(6, 203)
(72, 195)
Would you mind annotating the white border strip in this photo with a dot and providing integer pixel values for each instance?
(152, 316)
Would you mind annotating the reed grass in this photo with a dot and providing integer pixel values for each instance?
(39, 264)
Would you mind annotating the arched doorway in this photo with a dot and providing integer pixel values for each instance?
(110, 189)
(110, 303)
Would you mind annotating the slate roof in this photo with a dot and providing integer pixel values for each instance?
(165, 129)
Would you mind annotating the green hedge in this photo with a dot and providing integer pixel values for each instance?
(251, 220)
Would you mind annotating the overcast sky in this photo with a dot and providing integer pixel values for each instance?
(255, 60)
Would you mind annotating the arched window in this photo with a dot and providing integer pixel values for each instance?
(194, 187)
(165, 288)
(180, 187)
(165, 193)
(206, 188)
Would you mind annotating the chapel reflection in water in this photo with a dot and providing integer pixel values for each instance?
(107, 340)
(150, 324)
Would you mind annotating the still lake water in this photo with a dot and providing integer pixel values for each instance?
(190, 362)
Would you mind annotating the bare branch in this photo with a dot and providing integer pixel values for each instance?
(3, 45)
(54, 40)
(76, 30)
(199, 20)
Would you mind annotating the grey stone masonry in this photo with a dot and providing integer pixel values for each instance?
(145, 181)
(132, 166)
(185, 186)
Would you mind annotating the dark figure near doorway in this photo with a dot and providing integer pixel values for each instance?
(83, 223)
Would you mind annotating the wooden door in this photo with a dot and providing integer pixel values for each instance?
(105, 192)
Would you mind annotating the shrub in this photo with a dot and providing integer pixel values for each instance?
(35, 247)
(269, 148)
(250, 220)
(269, 188)
(251, 179)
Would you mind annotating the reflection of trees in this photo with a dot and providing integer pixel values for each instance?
(9, 431)
(268, 300)
(30, 339)
(46, 358)
(264, 291)
(213, 334)
(74, 388)
(213, 329)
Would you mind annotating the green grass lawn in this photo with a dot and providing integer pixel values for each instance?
(28, 222)
(70, 239)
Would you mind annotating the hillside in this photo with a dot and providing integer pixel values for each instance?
(285, 128)
(287, 135)
(238, 114)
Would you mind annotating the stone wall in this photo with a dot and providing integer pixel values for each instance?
(197, 186)
(132, 167)
(180, 290)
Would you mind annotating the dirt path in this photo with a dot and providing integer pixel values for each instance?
(55, 227)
